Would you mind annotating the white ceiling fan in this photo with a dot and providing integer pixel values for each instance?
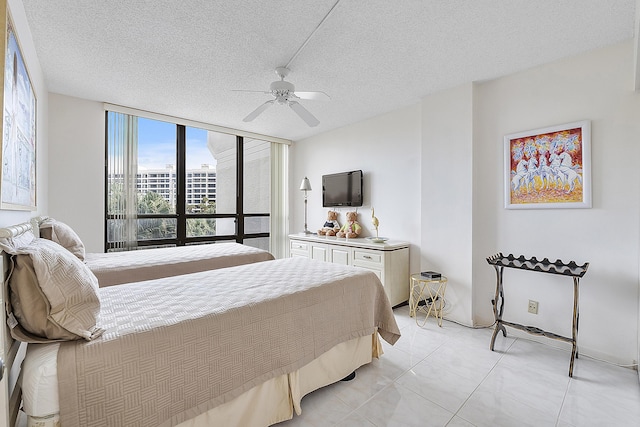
(284, 93)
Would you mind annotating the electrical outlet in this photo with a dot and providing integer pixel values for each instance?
(533, 307)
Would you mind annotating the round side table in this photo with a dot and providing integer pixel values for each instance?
(427, 295)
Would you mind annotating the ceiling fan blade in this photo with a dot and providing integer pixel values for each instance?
(304, 114)
(313, 95)
(255, 113)
(252, 91)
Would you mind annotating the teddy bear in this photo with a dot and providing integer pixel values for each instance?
(331, 226)
(351, 228)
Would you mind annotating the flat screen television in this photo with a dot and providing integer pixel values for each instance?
(342, 189)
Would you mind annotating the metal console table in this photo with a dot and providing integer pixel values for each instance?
(499, 261)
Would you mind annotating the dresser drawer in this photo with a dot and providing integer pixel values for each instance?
(299, 246)
(341, 255)
(369, 257)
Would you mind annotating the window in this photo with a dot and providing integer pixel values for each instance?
(169, 184)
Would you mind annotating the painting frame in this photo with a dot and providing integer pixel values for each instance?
(549, 167)
(18, 184)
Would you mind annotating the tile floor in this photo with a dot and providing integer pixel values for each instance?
(448, 377)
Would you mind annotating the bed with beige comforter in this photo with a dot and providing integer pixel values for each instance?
(179, 346)
(114, 268)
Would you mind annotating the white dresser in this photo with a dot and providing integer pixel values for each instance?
(389, 260)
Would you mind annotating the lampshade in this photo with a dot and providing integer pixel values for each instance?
(305, 185)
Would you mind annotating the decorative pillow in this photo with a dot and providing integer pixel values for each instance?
(54, 295)
(64, 235)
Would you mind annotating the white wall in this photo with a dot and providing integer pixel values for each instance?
(447, 195)
(76, 167)
(9, 217)
(387, 150)
(597, 86)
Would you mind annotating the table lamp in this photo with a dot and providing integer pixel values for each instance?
(305, 186)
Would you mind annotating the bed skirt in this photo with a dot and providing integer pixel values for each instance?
(275, 400)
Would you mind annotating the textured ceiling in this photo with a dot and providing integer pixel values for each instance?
(184, 57)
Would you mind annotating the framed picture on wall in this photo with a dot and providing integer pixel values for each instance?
(18, 173)
(548, 167)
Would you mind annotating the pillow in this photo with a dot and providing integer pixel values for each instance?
(64, 235)
(53, 295)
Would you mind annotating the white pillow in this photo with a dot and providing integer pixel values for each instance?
(64, 235)
(53, 295)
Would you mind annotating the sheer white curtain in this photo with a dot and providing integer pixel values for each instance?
(122, 174)
(279, 201)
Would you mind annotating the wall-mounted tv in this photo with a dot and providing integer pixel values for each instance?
(342, 189)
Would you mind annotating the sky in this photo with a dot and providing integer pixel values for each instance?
(157, 145)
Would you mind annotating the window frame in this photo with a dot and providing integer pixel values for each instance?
(181, 216)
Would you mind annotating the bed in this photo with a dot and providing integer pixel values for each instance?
(114, 268)
(235, 346)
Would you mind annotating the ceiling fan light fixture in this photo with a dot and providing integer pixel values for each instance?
(284, 93)
(281, 87)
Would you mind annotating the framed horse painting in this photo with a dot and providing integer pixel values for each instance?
(548, 167)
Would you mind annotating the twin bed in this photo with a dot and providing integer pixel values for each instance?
(114, 268)
(239, 345)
